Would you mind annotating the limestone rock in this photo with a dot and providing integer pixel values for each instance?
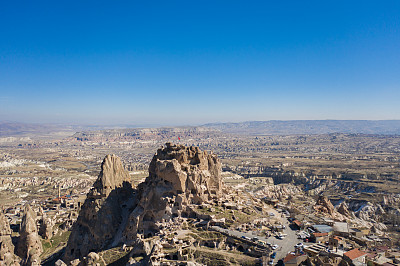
(92, 259)
(178, 176)
(75, 262)
(29, 246)
(188, 169)
(324, 205)
(278, 191)
(46, 227)
(7, 256)
(114, 213)
(60, 263)
(112, 176)
(343, 210)
(67, 223)
(4, 225)
(193, 263)
(33, 259)
(102, 212)
(368, 211)
(380, 226)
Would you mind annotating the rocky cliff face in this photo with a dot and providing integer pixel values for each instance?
(103, 210)
(189, 170)
(367, 211)
(7, 256)
(178, 177)
(29, 246)
(279, 191)
(324, 205)
(342, 209)
(114, 213)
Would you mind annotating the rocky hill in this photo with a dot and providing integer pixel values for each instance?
(114, 213)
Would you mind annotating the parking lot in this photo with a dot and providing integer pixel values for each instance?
(285, 245)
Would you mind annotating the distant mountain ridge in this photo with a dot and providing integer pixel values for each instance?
(299, 127)
(10, 128)
(271, 127)
(19, 129)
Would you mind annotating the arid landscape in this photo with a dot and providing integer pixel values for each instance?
(137, 133)
(199, 195)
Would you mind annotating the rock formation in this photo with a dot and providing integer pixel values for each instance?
(368, 211)
(92, 259)
(46, 227)
(278, 191)
(29, 246)
(7, 256)
(102, 212)
(342, 209)
(324, 205)
(178, 177)
(114, 213)
(60, 263)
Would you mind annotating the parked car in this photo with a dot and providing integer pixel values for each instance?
(260, 242)
(281, 236)
(298, 245)
(273, 256)
(274, 246)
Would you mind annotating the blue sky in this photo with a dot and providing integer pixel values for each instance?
(192, 62)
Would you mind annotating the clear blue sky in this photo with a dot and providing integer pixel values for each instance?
(192, 62)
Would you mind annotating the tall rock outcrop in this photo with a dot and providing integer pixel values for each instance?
(344, 210)
(114, 213)
(46, 228)
(7, 256)
(29, 246)
(179, 176)
(103, 210)
(5, 229)
(324, 205)
(189, 170)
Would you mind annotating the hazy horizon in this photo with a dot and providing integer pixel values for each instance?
(270, 127)
(179, 63)
(193, 124)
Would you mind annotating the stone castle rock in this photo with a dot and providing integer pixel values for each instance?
(115, 213)
(179, 176)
